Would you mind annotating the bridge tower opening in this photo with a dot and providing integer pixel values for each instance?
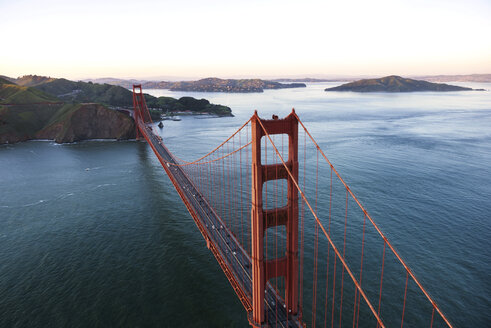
(261, 219)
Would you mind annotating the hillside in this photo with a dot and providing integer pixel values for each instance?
(68, 111)
(113, 95)
(5, 80)
(222, 85)
(20, 123)
(11, 93)
(87, 121)
(82, 92)
(32, 80)
(395, 83)
(63, 123)
(30, 113)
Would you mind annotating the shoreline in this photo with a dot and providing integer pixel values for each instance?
(67, 143)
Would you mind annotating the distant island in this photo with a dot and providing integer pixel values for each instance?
(206, 85)
(37, 107)
(298, 82)
(395, 83)
(222, 85)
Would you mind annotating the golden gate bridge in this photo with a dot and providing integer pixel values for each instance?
(297, 246)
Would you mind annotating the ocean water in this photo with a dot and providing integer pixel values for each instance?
(94, 234)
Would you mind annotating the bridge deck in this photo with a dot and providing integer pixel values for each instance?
(233, 259)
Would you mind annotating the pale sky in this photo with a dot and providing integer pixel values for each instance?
(226, 38)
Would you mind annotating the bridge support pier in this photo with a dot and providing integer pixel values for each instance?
(261, 219)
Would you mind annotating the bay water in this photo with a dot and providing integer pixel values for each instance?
(94, 234)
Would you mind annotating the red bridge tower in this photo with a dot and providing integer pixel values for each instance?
(261, 219)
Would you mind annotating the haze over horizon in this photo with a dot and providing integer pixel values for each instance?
(192, 39)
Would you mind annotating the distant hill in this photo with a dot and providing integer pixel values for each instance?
(153, 84)
(309, 79)
(456, 78)
(157, 85)
(222, 85)
(114, 81)
(206, 85)
(395, 83)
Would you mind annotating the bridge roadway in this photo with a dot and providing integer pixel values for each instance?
(223, 241)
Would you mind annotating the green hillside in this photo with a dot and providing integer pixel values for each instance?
(84, 92)
(113, 95)
(19, 123)
(32, 80)
(11, 93)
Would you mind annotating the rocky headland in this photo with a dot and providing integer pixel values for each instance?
(88, 121)
(63, 123)
(69, 111)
